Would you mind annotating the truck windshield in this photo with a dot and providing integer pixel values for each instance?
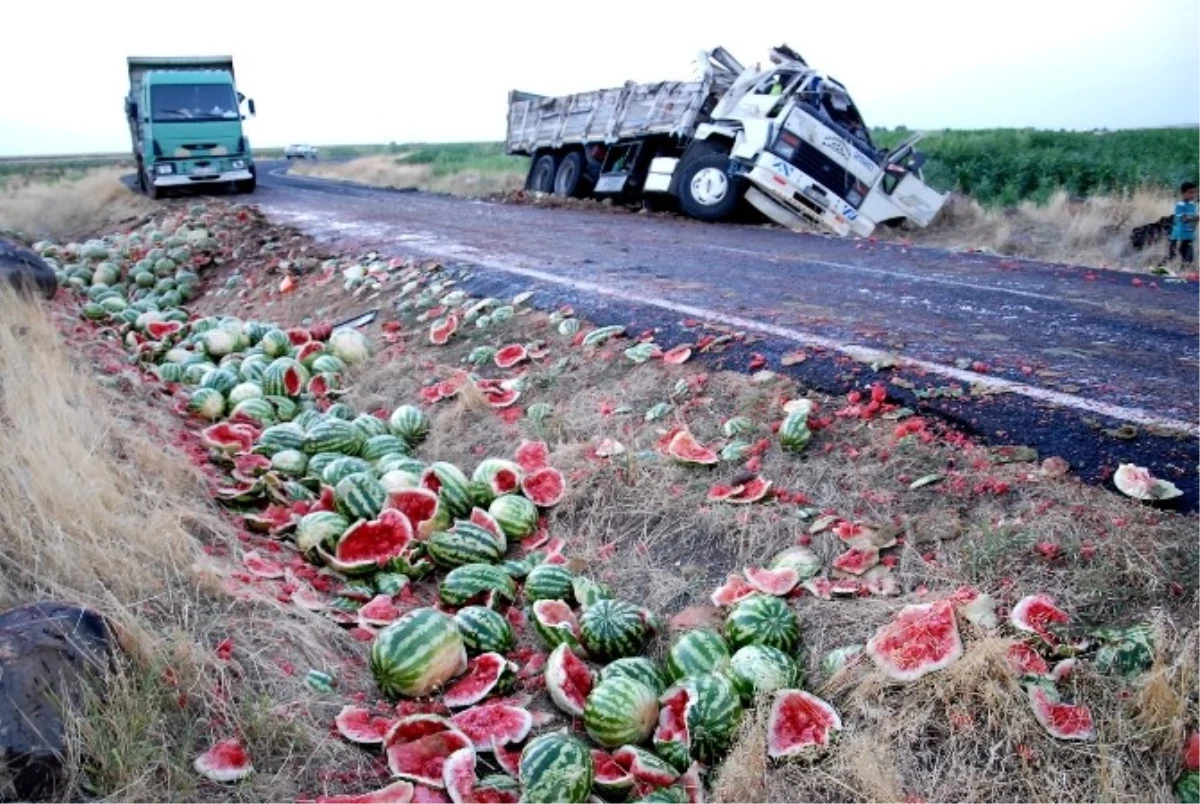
(175, 102)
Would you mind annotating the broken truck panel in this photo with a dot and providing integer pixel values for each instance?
(787, 139)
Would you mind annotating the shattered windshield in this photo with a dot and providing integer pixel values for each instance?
(176, 102)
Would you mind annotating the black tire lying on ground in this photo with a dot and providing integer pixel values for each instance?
(25, 270)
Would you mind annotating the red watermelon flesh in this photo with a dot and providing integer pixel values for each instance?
(379, 611)
(1191, 752)
(1035, 614)
(494, 724)
(630, 758)
(693, 783)
(684, 448)
(568, 679)
(856, 560)
(845, 587)
(414, 727)
(318, 386)
(418, 505)
(721, 493)
(504, 481)
(486, 521)
(400, 792)
(800, 724)
(921, 639)
(326, 502)
(500, 397)
(539, 538)
(608, 774)
(484, 673)
(672, 717)
(734, 590)
(508, 757)
(556, 613)
(273, 519)
(359, 725)
(228, 437)
(428, 795)
(557, 559)
(678, 354)
(226, 761)
(532, 455)
(545, 486)
(509, 356)
(493, 795)
(1061, 720)
(423, 760)
(777, 582)
(308, 350)
(752, 491)
(299, 336)
(441, 330)
(262, 567)
(161, 329)
(458, 775)
(375, 541)
(1025, 660)
(247, 468)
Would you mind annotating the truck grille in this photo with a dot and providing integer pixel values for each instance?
(816, 164)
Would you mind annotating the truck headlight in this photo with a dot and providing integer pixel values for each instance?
(238, 164)
(786, 145)
(164, 170)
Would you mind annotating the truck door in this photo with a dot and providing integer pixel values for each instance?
(919, 201)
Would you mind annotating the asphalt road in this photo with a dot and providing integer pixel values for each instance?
(1078, 360)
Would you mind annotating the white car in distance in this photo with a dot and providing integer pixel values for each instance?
(300, 152)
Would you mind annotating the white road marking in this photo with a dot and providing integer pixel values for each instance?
(444, 250)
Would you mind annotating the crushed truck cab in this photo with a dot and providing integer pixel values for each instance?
(788, 140)
(185, 123)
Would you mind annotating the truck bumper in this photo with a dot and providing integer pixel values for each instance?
(187, 179)
(777, 195)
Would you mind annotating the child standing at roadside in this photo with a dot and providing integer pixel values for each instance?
(1183, 233)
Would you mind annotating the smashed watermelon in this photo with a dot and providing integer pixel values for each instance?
(225, 761)
(1025, 661)
(400, 792)
(921, 639)
(417, 504)
(1034, 614)
(800, 725)
(733, 591)
(370, 544)
(568, 680)
(229, 438)
(440, 332)
(261, 567)
(856, 561)
(1061, 720)
(751, 491)
(485, 674)
(609, 777)
(684, 448)
(459, 777)
(423, 760)
(544, 486)
(494, 724)
(379, 610)
(509, 356)
(776, 582)
(677, 355)
(532, 455)
(359, 725)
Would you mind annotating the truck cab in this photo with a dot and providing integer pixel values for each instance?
(185, 121)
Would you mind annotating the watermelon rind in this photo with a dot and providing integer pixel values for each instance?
(566, 675)
(760, 670)
(713, 717)
(556, 767)
(417, 653)
(922, 638)
(516, 515)
(486, 674)
(763, 620)
(465, 543)
(696, 653)
(800, 725)
(452, 487)
(612, 629)
(463, 583)
(620, 710)
(320, 529)
(640, 669)
(549, 582)
(359, 496)
(409, 423)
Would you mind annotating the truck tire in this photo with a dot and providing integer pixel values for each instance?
(707, 191)
(568, 179)
(246, 186)
(152, 191)
(542, 173)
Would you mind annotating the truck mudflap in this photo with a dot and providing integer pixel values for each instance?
(189, 179)
(790, 198)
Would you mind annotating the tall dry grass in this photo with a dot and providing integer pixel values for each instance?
(1093, 231)
(64, 208)
(388, 171)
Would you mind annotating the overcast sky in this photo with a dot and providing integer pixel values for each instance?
(360, 72)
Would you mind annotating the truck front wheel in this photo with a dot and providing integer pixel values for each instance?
(246, 186)
(152, 190)
(541, 174)
(707, 191)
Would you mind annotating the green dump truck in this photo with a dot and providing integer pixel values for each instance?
(185, 122)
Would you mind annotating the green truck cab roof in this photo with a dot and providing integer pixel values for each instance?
(164, 77)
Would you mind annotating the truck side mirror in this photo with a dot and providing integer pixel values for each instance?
(250, 105)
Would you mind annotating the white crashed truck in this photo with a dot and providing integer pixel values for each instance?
(787, 139)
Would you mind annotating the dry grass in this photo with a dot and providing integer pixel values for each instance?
(388, 171)
(1093, 232)
(68, 208)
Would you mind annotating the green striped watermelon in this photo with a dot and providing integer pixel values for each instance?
(417, 653)
(484, 630)
(760, 670)
(343, 467)
(317, 464)
(327, 364)
(611, 629)
(465, 543)
(698, 719)
(549, 582)
(279, 437)
(284, 377)
(639, 668)
(340, 410)
(555, 767)
(763, 620)
(497, 476)
(252, 368)
(794, 434)
(260, 410)
(410, 423)
(555, 623)
(285, 408)
(379, 446)
(370, 425)
(696, 653)
(333, 435)
(620, 711)
(588, 592)
(370, 544)
(219, 379)
(451, 485)
(359, 496)
(517, 515)
(243, 391)
(206, 403)
(463, 583)
(291, 462)
(307, 418)
(275, 343)
(320, 528)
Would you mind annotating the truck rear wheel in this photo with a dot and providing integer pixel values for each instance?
(542, 174)
(707, 190)
(568, 179)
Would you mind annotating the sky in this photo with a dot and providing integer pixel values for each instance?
(367, 72)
